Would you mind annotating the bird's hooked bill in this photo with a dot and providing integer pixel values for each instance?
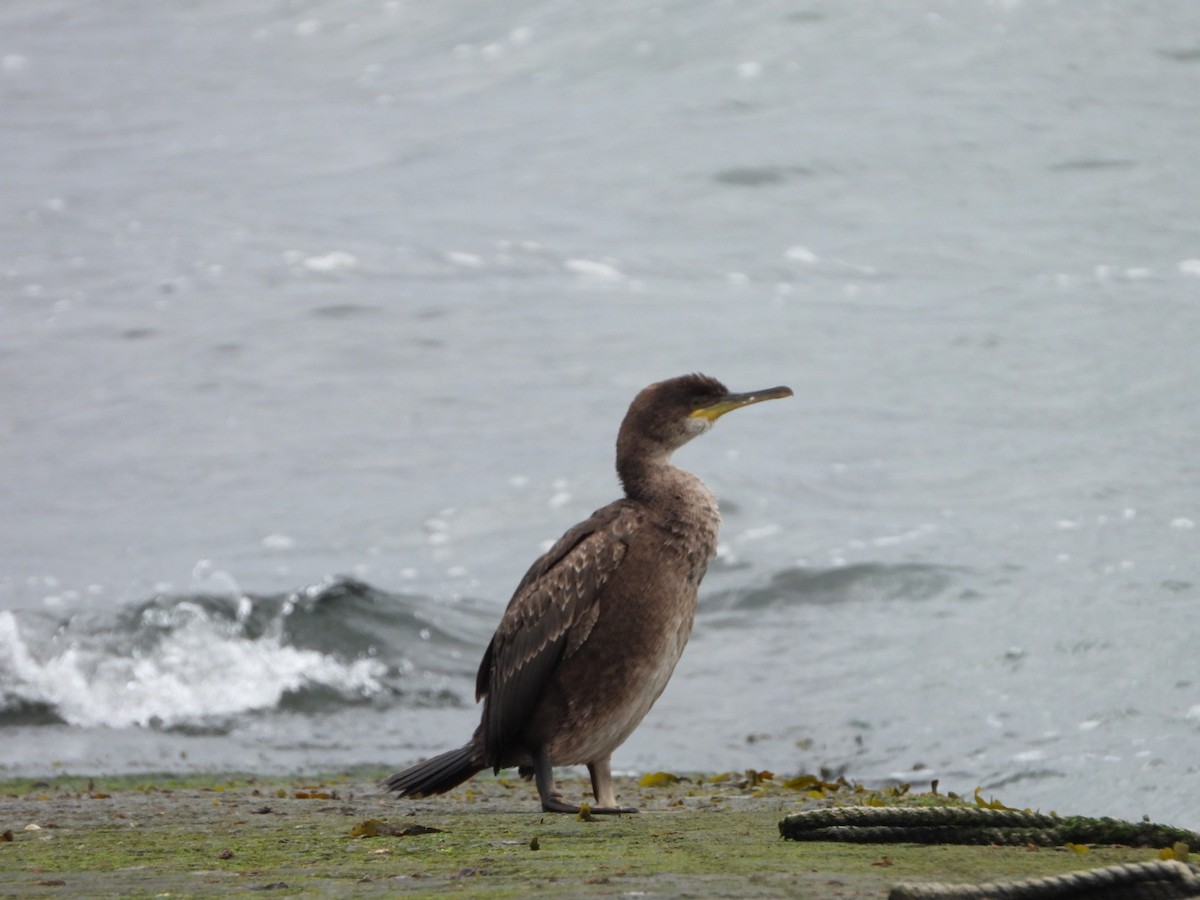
(730, 402)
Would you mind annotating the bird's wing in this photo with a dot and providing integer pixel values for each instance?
(550, 614)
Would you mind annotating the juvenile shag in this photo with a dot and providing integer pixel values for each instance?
(596, 626)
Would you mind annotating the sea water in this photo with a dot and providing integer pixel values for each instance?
(319, 320)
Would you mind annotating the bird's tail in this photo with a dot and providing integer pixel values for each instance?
(437, 775)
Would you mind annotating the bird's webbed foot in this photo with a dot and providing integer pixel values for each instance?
(556, 804)
(543, 773)
(602, 789)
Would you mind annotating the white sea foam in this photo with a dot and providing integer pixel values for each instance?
(801, 254)
(763, 531)
(464, 260)
(591, 268)
(750, 70)
(334, 261)
(200, 670)
(206, 579)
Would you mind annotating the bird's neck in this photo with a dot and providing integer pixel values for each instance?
(678, 496)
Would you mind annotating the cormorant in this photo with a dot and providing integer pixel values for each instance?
(596, 626)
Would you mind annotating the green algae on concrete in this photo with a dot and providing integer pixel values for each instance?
(238, 835)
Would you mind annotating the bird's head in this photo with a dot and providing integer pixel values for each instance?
(666, 415)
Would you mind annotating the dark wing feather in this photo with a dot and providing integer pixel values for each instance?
(550, 614)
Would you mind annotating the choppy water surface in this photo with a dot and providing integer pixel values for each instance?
(319, 319)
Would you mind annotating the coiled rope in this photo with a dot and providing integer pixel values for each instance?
(968, 825)
(1134, 881)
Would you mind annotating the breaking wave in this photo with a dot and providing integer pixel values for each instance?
(870, 582)
(199, 663)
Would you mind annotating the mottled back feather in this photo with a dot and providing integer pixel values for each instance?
(549, 616)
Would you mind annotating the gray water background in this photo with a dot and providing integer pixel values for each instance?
(297, 289)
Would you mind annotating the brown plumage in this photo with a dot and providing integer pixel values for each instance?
(596, 626)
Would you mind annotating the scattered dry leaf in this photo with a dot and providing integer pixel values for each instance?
(380, 828)
(658, 779)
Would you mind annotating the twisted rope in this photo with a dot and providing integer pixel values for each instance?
(967, 825)
(1134, 881)
(970, 825)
